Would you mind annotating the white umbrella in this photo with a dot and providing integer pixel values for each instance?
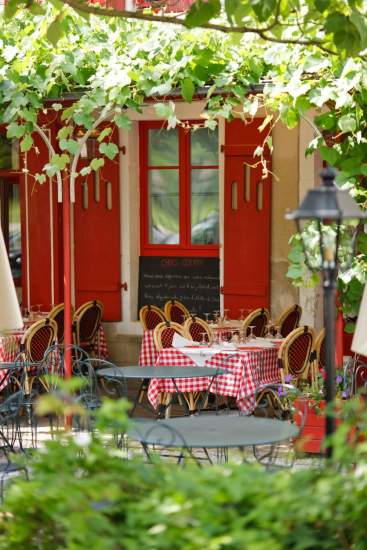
(359, 343)
(10, 315)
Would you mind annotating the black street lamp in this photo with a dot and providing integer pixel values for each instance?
(327, 215)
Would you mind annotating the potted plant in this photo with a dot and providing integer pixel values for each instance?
(309, 411)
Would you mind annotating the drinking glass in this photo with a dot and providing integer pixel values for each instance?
(33, 313)
(203, 340)
(252, 335)
(216, 314)
(217, 338)
(270, 329)
(226, 313)
(235, 337)
(243, 336)
(278, 334)
(25, 314)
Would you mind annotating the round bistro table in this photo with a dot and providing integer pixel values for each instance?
(210, 431)
(167, 372)
(213, 431)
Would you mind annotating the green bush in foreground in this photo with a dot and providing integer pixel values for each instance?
(84, 495)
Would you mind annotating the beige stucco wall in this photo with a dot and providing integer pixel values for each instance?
(285, 166)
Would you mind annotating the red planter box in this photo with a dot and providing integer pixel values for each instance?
(313, 433)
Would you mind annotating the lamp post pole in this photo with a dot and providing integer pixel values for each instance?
(329, 286)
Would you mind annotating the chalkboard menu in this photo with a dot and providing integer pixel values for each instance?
(193, 281)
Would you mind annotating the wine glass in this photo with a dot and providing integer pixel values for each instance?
(207, 317)
(278, 334)
(241, 310)
(243, 336)
(226, 313)
(252, 335)
(217, 338)
(25, 313)
(203, 339)
(270, 329)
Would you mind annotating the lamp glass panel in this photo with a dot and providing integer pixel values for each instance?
(310, 235)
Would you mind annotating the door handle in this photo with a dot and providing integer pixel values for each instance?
(234, 195)
(259, 195)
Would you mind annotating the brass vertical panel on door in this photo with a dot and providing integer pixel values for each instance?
(259, 195)
(247, 182)
(97, 187)
(85, 197)
(234, 195)
(109, 195)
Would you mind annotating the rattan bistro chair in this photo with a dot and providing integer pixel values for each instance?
(289, 320)
(258, 318)
(164, 333)
(195, 328)
(151, 316)
(57, 315)
(295, 354)
(294, 358)
(175, 311)
(86, 323)
(35, 342)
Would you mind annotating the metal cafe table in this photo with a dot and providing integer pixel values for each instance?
(210, 431)
(172, 373)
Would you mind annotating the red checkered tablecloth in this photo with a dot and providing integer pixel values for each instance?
(9, 347)
(248, 371)
(100, 344)
(148, 353)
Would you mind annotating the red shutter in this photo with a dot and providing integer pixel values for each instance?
(97, 238)
(247, 217)
(42, 212)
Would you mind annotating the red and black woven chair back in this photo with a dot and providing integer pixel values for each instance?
(195, 328)
(176, 312)
(258, 319)
(87, 320)
(151, 316)
(295, 352)
(197, 331)
(57, 314)
(164, 333)
(167, 337)
(290, 320)
(38, 338)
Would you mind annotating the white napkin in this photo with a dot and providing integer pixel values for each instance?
(180, 342)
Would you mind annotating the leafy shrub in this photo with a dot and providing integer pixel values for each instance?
(84, 495)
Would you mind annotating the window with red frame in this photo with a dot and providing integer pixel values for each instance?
(179, 191)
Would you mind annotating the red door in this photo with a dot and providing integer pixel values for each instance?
(247, 218)
(97, 238)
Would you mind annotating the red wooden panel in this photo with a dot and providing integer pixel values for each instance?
(170, 6)
(247, 220)
(42, 199)
(97, 240)
(116, 4)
